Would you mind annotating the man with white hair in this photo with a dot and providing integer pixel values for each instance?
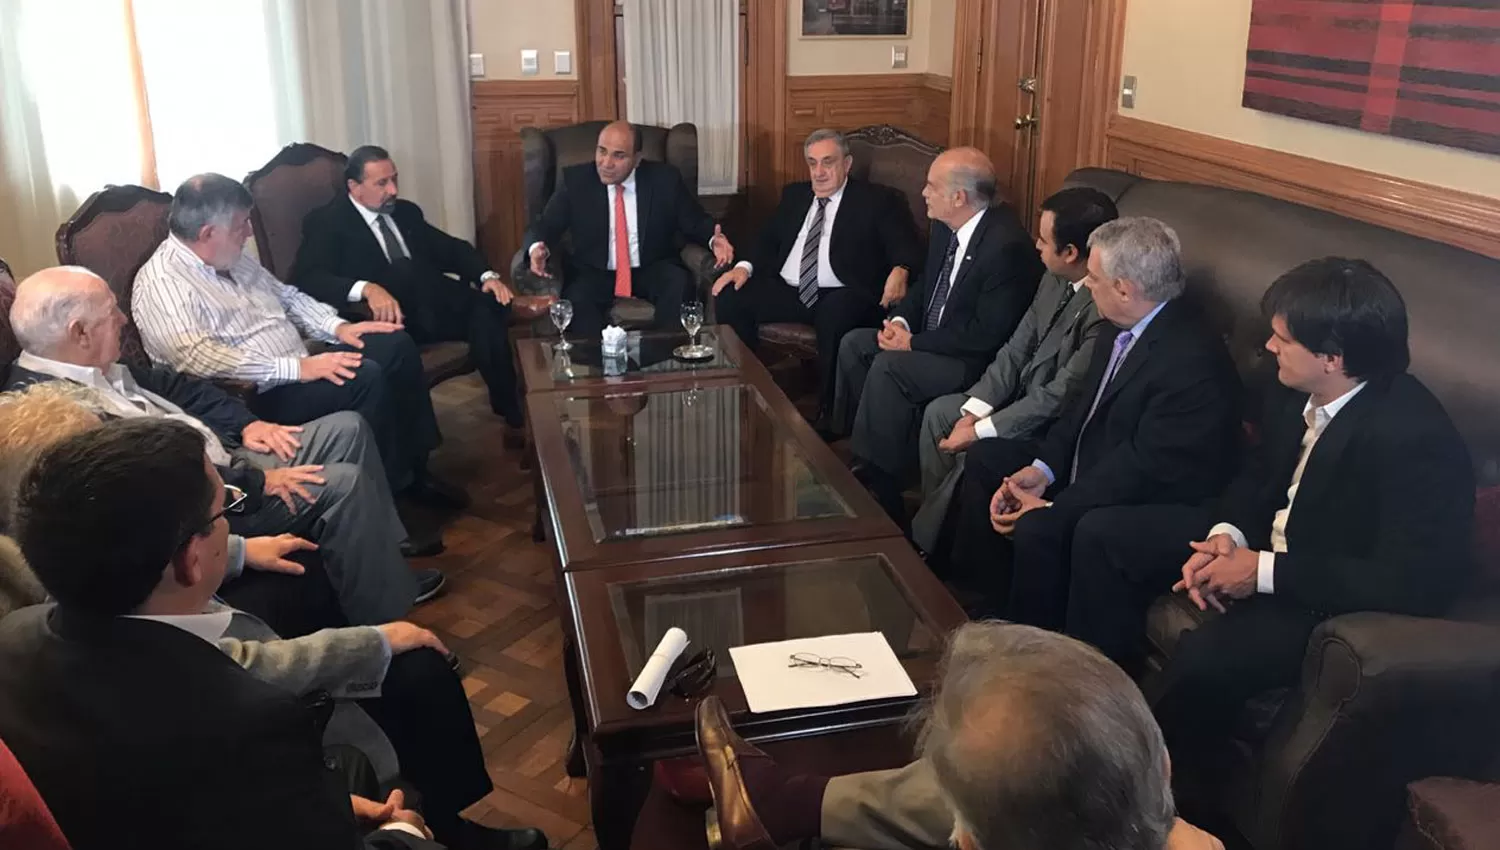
(1155, 421)
(1032, 741)
(323, 481)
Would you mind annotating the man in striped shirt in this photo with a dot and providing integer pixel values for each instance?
(206, 309)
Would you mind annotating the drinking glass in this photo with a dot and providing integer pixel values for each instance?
(692, 320)
(562, 313)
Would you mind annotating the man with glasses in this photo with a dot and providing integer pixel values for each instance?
(132, 722)
(324, 480)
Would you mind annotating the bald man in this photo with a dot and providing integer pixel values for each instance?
(646, 201)
(981, 273)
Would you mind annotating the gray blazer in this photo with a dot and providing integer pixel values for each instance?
(1037, 366)
(347, 664)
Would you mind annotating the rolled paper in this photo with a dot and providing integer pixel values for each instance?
(647, 685)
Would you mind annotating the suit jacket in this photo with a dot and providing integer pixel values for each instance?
(224, 414)
(1384, 510)
(338, 248)
(134, 725)
(872, 234)
(997, 277)
(666, 215)
(1042, 361)
(1167, 427)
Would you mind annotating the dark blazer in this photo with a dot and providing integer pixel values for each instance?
(872, 233)
(224, 414)
(139, 734)
(338, 249)
(997, 278)
(1384, 513)
(1167, 427)
(666, 214)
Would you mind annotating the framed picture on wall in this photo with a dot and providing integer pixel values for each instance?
(856, 18)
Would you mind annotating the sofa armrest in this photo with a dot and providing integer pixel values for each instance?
(526, 283)
(1384, 699)
(700, 262)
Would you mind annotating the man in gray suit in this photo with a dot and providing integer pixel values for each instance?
(1022, 391)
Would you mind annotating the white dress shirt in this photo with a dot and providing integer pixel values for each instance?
(984, 429)
(1318, 420)
(372, 220)
(965, 234)
(115, 388)
(1135, 336)
(250, 329)
(791, 270)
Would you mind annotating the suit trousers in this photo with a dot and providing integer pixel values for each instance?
(880, 396)
(765, 299)
(901, 809)
(981, 558)
(423, 710)
(665, 284)
(388, 390)
(1124, 557)
(352, 519)
(441, 309)
(292, 606)
(941, 471)
(1259, 645)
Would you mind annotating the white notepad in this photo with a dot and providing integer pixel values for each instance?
(772, 684)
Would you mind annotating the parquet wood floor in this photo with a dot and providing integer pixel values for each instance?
(500, 614)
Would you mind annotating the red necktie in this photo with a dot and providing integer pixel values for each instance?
(622, 245)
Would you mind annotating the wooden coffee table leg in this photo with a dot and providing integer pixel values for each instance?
(577, 765)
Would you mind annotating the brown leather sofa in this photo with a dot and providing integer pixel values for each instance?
(1384, 699)
(545, 153)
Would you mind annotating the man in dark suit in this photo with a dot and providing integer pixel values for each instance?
(646, 201)
(837, 252)
(981, 273)
(1359, 497)
(133, 713)
(375, 247)
(1022, 391)
(1156, 421)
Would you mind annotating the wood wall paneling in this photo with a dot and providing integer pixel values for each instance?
(598, 93)
(501, 109)
(765, 103)
(916, 103)
(1443, 215)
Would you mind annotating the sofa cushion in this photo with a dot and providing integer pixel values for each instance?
(1487, 536)
(1170, 616)
(632, 313)
(1452, 814)
(791, 339)
(444, 360)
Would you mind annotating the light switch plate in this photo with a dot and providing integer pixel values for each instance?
(529, 65)
(476, 65)
(1127, 93)
(562, 62)
(898, 57)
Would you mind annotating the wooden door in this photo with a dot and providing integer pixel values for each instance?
(995, 50)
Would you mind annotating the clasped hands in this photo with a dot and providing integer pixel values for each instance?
(1219, 569)
(1019, 494)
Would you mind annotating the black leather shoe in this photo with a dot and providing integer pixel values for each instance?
(434, 492)
(430, 583)
(422, 544)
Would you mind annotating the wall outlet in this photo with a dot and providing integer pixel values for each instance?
(562, 62)
(529, 65)
(898, 57)
(476, 65)
(1127, 93)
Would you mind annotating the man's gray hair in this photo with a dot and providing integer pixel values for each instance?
(978, 185)
(43, 309)
(826, 135)
(1144, 251)
(1041, 743)
(203, 200)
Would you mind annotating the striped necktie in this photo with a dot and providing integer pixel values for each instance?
(807, 278)
(941, 286)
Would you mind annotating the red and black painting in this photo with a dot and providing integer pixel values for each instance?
(1419, 69)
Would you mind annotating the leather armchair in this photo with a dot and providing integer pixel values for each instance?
(1384, 699)
(545, 153)
(10, 349)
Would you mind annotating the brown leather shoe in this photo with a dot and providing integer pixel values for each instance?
(732, 823)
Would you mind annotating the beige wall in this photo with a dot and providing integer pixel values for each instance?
(930, 45)
(501, 29)
(1190, 70)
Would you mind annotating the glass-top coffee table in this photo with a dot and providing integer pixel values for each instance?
(648, 355)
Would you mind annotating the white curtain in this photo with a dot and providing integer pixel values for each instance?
(682, 63)
(94, 92)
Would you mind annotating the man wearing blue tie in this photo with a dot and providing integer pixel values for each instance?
(981, 273)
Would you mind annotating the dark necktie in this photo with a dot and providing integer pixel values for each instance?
(941, 286)
(224, 275)
(1062, 307)
(393, 249)
(807, 277)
